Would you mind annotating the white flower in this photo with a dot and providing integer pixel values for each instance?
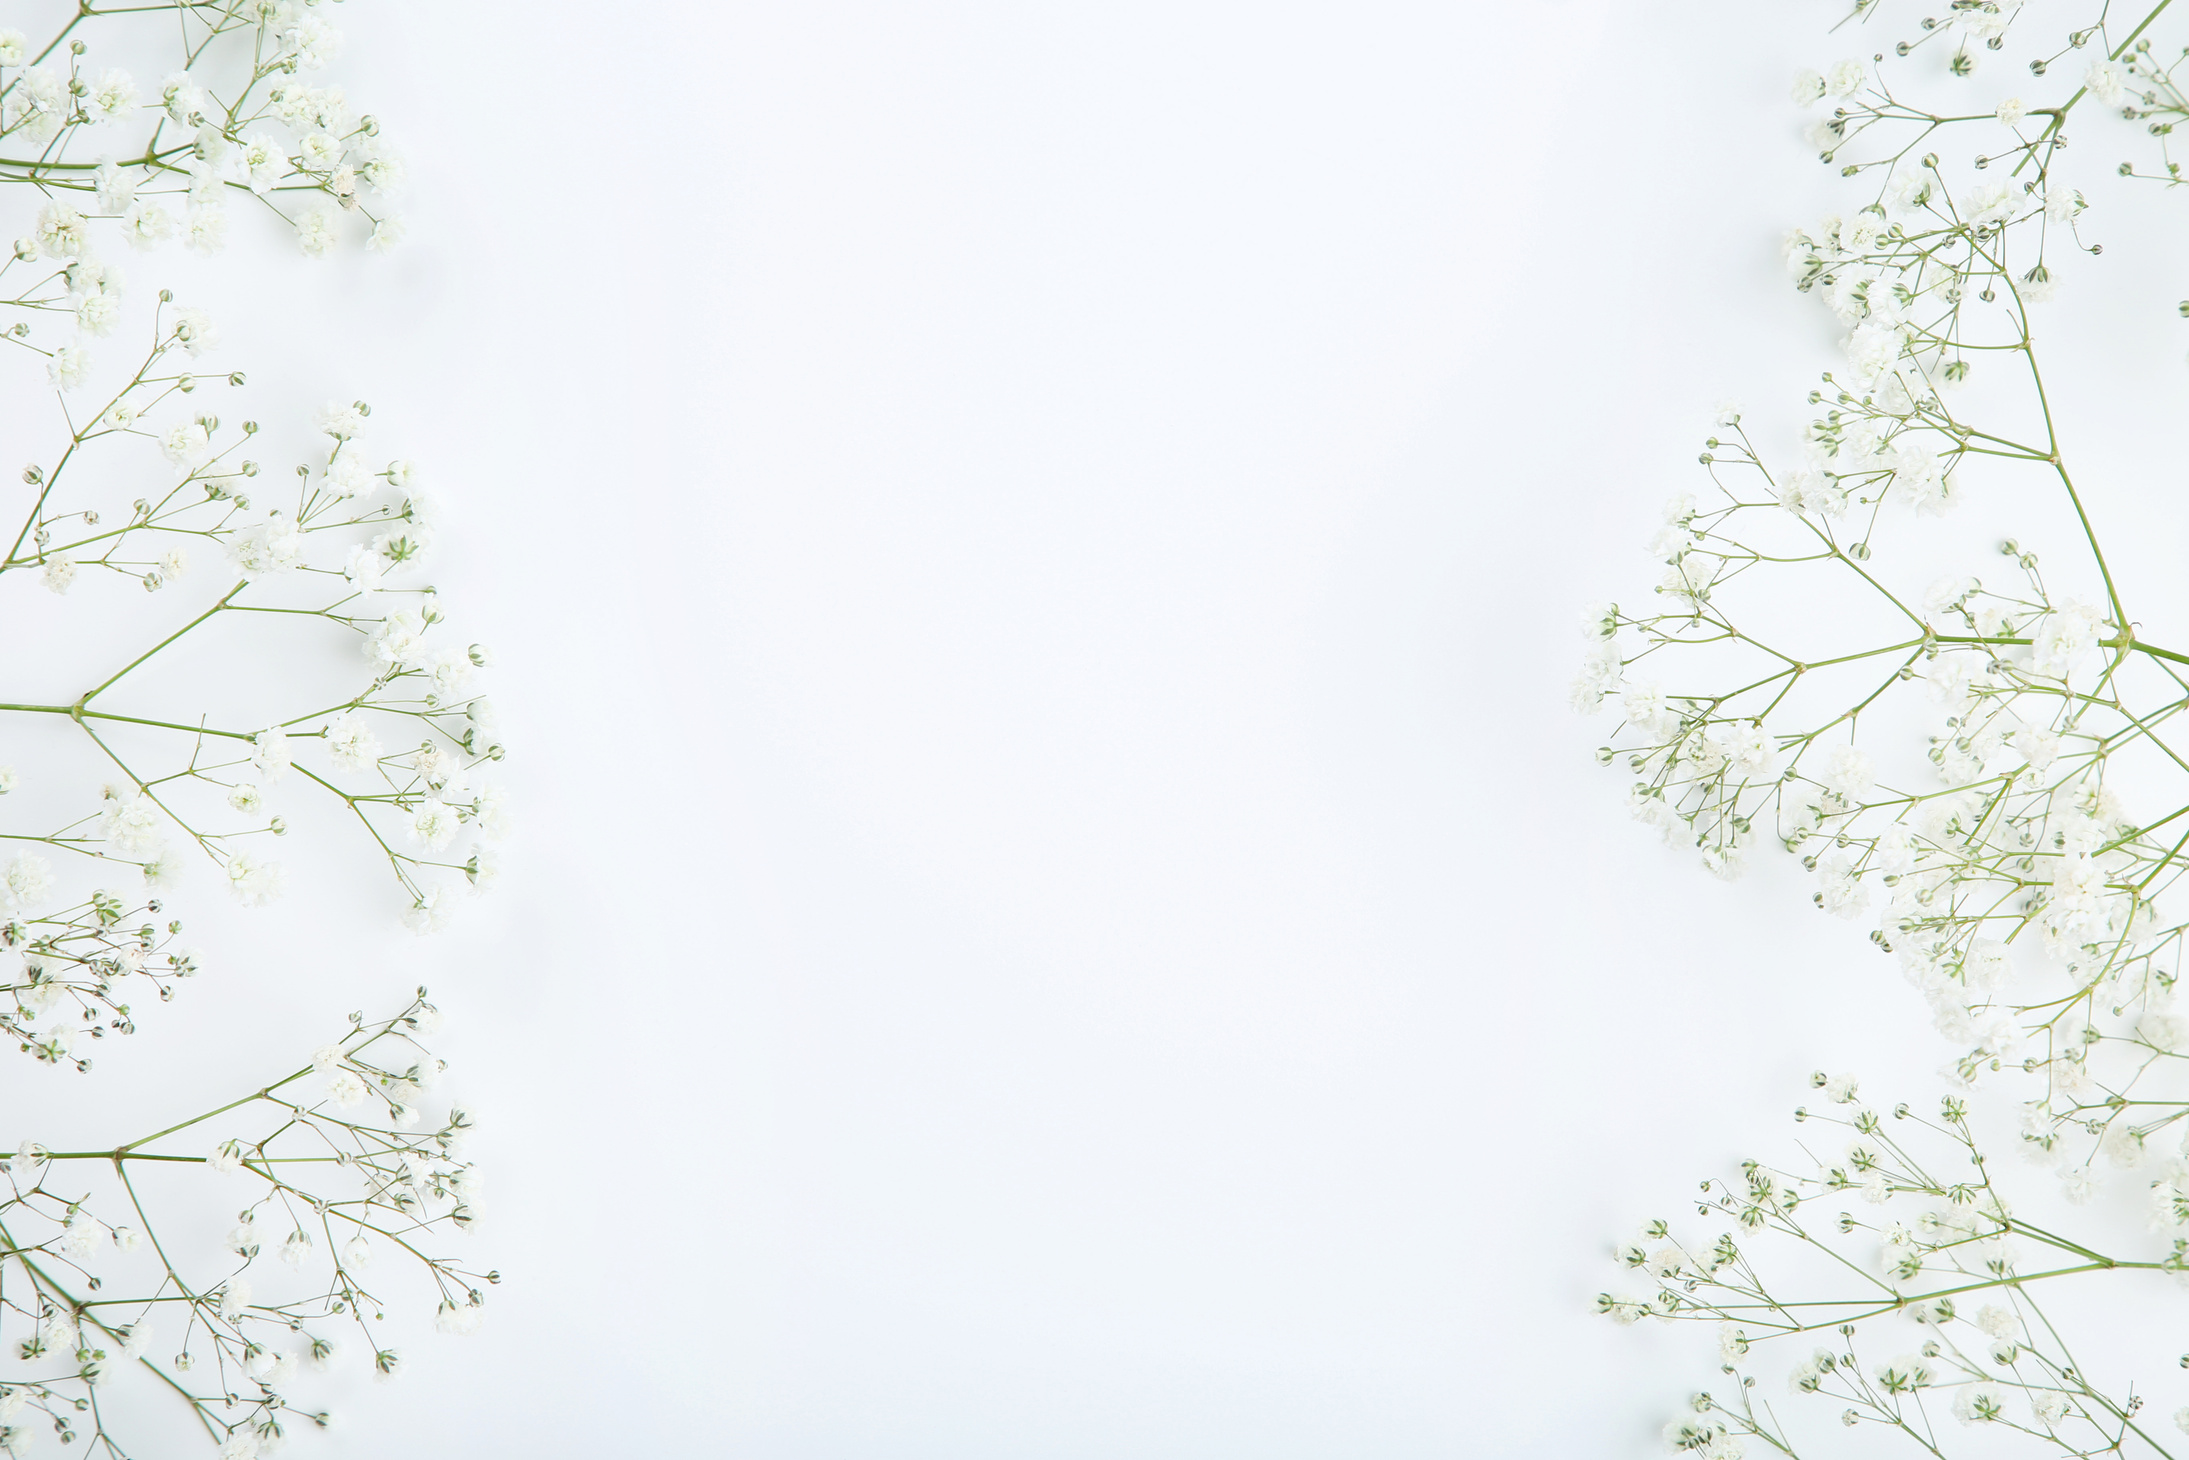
(1849, 772)
(57, 1330)
(194, 327)
(2080, 906)
(347, 473)
(1980, 1403)
(58, 574)
(132, 824)
(485, 869)
(274, 546)
(433, 824)
(113, 97)
(2039, 747)
(399, 640)
(96, 313)
(187, 444)
(68, 367)
(451, 670)
(38, 102)
(320, 151)
(270, 753)
(2121, 1146)
(365, 567)
(182, 99)
(1647, 709)
(1872, 350)
(351, 744)
(345, 1089)
(163, 869)
(1840, 891)
(205, 228)
(2105, 81)
(116, 188)
(430, 913)
(382, 170)
(60, 232)
(262, 162)
(1600, 669)
(313, 40)
(2064, 638)
(1805, 488)
(1808, 88)
(2012, 110)
(492, 812)
(83, 1235)
(343, 422)
(26, 884)
(1920, 478)
(458, 1318)
(1746, 748)
(1910, 189)
(1948, 592)
(1844, 79)
(1990, 203)
(145, 224)
(254, 881)
(1911, 1371)
(318, 231)
(1732, 1343)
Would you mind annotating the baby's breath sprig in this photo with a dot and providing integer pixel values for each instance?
(133, 494)
(339, 1188)
(1985, 765)
(2019, 888)
(234, 118)
(1917, 1292)
(262, 651)
(78, 968)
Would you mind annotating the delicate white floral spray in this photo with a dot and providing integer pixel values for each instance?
(271, 564)
(2020, 857)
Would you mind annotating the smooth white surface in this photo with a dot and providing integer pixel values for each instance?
(1036, 553)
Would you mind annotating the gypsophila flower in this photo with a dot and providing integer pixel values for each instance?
(1980, 774)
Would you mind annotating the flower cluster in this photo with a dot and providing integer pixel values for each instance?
(78, 967)
(204, 658)
(1915, 1291)
(2021, 886)
(331, 1180)
(235, 119)
(401, 752)
(1970, 747)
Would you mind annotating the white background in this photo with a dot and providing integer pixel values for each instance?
(1035, 552)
